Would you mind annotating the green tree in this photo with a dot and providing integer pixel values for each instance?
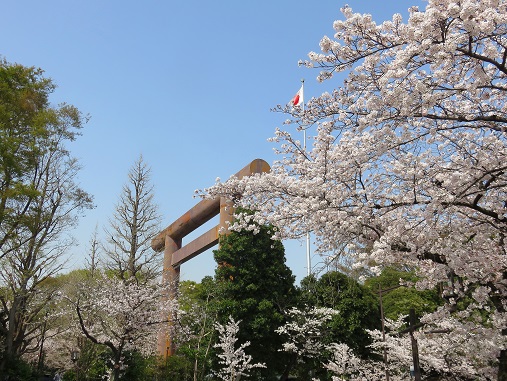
(397, 300)
(176, 368)
(30, 128)
(196, 336)
(39, 203)
(63, 338)
(358, 308)
(255, 286)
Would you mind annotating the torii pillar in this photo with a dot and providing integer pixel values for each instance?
(170, 239)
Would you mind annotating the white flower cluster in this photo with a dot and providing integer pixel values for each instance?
(304, 330)
(125, 314)
(409, 153)
(235, 362)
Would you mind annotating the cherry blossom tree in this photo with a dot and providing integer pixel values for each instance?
(62, 336)
(439, 354)
(304, 331)
(235, 362)
(122, 315)
(346, 364)
(408, 153)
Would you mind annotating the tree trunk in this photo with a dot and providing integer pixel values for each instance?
(288, 368)
(117, 353)
(8, 355)
(502, 366)
(502, 359)
(12, 331)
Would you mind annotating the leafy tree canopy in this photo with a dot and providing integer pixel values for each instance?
(357, 306)
(255, 286)
(397, 299)
(30, 127)
(39, 202)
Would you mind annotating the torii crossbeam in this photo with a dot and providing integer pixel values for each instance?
(170, 239)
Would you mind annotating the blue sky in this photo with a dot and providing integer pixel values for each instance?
(187, 84)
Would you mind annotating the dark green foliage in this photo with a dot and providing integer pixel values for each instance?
(358, 307)
(93, 361)
(176, 368)
(138, 367)
(398, 300)
(255, 286)
(197, 300)
(17, 369)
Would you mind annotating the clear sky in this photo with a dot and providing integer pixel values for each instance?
(188, 84)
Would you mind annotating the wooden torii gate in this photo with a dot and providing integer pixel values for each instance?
(170, 239)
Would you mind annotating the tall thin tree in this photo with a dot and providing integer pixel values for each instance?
(134, 223)
(92, 259)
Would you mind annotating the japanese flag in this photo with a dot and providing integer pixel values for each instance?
(298, 98)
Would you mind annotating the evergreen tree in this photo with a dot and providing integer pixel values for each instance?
(255, 287)
(398, 300)
(358, 308)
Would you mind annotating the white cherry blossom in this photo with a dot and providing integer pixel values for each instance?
(408, 158)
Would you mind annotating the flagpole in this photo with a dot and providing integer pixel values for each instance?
(303, 109)
(308, 258)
